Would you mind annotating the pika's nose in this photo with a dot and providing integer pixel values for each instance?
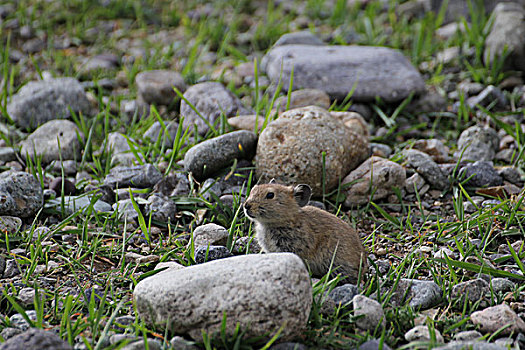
(247, 206)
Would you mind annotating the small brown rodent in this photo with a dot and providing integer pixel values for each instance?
(285, 223)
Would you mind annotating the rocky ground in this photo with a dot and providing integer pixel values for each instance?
(132, 131)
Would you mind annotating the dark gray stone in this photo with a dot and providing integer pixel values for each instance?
(304, 37)
(478, 143)
(36, 339)
(156, 86)
(419, 294)
(2, 266)
(141, 176)
(378, 71)
(507, 32)
(7, 154)
(425, 166)
(511, 174)
(20, 194)
(41, 101)
(175, 184)
(502, 285)
(205, 253)
(161, 208)
(211, 99)
(210, 156)
(343, 294)
(483, 174)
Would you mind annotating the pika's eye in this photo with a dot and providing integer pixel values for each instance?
(269, 195)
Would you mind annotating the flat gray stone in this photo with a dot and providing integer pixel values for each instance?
(381, 173)
(141, 176)
(38, 102)
(378, 71)
(20, 194)
(156, 86)
(211, 99)
(52, 140)
(425, 166)
(210, 156)
(258, 292)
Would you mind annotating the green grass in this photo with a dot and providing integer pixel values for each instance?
(200, 36)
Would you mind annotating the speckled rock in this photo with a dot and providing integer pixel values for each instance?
(211, 252)
(418, 294)
(502, 285)
(156, 86)
(161, 208)
(20, 194)
(471, 345)
(259, 292)
(374, 344)
(478, 143)
(378, 71)
(210, 156)
(422, 333)
(382, 173)
(141, 176)
(434, 148)
(493, 318)
(41, 101)
(483, 174)
(35, 338)
(10, 224)
(43, 142)
(467, 335)
(290, 149)
(474, 289)
(210, 234)
(354, 121)
(343, 294)
(372, 313)
(507, 32)
(303, 98)
(210, 99)
(423, 164)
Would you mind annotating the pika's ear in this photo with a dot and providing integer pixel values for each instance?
(272, 181)
(302, 194)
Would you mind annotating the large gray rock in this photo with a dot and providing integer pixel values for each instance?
(290, 149)
(38, 102)
(36, 339)
(478, 143)
(211, 100)
(507, 32)
(258, 292)
(156, 86)
(377, 174)
(378, 71)
(20, 194)
(52, 140)
(210, 156)
(425, 166)
(481, 173)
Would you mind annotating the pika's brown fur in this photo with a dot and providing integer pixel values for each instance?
(284, 223)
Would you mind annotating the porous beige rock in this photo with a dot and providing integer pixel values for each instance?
(290, 149)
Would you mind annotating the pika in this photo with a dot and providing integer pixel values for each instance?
(285, 223)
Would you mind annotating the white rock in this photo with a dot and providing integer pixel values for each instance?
(371, 311)
(259, 292)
